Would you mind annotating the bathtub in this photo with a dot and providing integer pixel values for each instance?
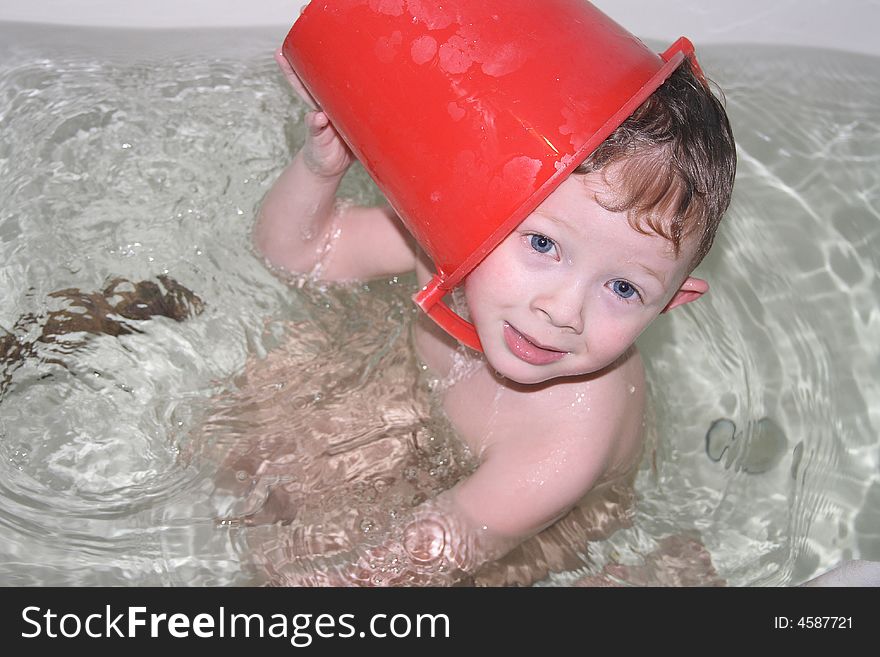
(795, 436)
(847, 24)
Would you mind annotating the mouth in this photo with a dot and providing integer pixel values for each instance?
(529, 351)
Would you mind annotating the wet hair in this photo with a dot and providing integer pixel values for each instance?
(671, 164)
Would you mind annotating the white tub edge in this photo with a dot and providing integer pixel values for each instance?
(840, 24)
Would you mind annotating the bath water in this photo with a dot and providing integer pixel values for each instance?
(134, 162)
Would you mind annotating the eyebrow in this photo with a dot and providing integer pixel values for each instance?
(659, 278)
(554, 219)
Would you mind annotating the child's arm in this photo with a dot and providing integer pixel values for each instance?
(300, 223)
(445, 540)
(540, 455)
(530, 477)
(512, 496)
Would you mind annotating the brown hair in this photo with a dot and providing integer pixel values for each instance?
(673, 161)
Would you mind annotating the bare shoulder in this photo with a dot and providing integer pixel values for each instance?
(600, 417)
(622, 397)
(605, 413)
(541, 448)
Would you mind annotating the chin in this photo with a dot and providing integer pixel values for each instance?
(527, 378)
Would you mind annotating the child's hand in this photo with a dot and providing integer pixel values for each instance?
(326, 154)
(293, 80)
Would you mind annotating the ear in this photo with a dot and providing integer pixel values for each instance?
(691, 290)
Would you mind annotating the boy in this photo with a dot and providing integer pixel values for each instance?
(554, 407)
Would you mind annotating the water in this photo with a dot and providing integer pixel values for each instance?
(129, 445)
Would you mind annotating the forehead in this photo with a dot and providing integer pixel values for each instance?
(583, 206)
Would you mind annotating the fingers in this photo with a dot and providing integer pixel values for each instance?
(293, 79)
(316, 122)
(283, 64)
(324, 151)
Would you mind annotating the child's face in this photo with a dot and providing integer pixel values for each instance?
(570, 290)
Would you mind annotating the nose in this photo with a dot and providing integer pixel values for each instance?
(564, 306)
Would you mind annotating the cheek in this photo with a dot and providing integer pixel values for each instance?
(620, 333)
(488, 283)
(478, 294)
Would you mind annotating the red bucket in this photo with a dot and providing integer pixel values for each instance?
(468, 113)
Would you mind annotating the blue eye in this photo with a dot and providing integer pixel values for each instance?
(623, 289)
(541, 244)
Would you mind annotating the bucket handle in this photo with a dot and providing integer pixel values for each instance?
(430, 299)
